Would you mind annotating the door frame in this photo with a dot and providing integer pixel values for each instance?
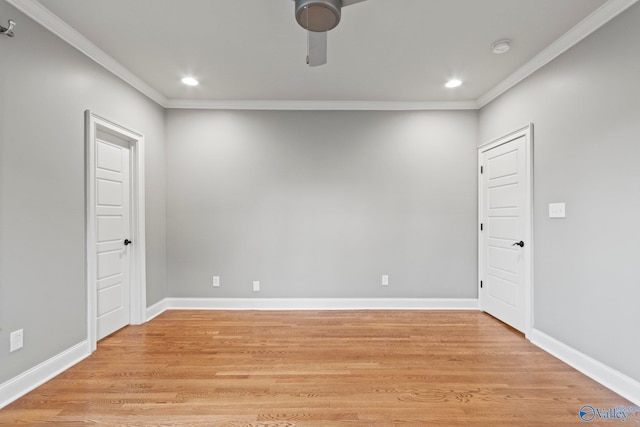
(527, 133)
(137, 275)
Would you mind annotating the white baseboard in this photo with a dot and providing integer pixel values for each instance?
(623, 385)
(319, 304)
(38, 375)
(156, 309)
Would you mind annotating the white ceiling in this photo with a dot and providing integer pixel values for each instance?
(400, 51)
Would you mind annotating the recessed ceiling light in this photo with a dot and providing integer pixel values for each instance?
(190, 81)
(501, 46)
(453, 83)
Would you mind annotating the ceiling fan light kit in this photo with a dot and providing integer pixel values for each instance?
(318, 15)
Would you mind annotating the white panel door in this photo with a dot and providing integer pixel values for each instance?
(112, 221)
(504, 232)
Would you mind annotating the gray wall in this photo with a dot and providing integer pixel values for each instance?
(46, 86)
(585, 106)
(321, 204)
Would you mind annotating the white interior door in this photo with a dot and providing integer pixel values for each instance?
(115, 182)
(505, 236)
(113, 225)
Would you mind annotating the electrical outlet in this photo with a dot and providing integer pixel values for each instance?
(216, 281)
(385, 280)
(16, 340)
(256, 286)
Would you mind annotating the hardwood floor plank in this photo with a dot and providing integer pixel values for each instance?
(315, 368)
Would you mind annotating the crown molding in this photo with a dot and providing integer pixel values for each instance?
(319, 105)
(584, 28)
(51, 22)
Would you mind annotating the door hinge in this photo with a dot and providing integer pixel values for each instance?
(481, 169)
(481, 227)
(481, 285)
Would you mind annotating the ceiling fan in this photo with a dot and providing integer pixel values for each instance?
(318, 17)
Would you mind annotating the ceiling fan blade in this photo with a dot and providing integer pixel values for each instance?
(317, 54)
(350, 2)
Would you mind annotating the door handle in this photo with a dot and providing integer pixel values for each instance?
(520, 243)
(127, 242)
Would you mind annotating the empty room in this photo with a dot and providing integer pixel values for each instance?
(319, 212)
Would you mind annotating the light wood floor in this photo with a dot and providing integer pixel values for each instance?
(309, 368)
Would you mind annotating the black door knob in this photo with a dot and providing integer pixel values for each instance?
(127, 242)
(520, 243)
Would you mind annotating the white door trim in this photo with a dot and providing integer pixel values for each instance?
(138, 281)
(527, 133)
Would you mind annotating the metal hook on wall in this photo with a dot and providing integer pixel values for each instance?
(9, 30)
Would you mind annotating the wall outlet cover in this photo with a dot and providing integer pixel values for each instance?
(256, 286)
(16, 340)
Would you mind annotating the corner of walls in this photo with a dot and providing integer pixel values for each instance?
(157, 309)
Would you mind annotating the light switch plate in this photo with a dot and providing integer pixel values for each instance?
(557, 210)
